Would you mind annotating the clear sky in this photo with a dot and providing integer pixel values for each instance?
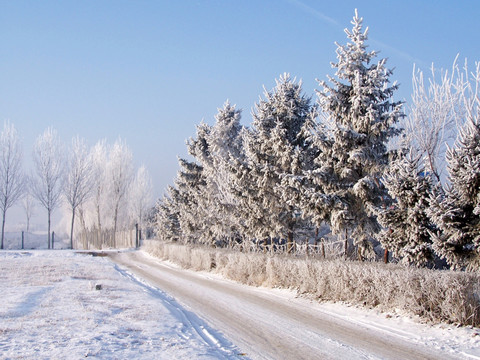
(149, 71)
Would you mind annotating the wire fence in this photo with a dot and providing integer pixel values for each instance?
(324, 248)
(106, 239)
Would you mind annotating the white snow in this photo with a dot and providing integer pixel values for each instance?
(50, 309)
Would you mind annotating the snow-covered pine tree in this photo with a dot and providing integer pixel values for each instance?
(190, 185)
(225, 144)
(206, 210)
(456, 211)
(224, 136)
(362, 114)
(269, 148)
(406, 224)
(310, 189)
(167, 225)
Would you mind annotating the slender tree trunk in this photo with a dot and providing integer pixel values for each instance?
(323, 247)
(48, 213)
(81, 214)
(385, 253)
(71, 229)
(115, 225)
(3, 227)
(432, 167)
(99, 219)
(290, 241)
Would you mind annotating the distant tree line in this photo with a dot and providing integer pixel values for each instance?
(98, 185)
(351, 162)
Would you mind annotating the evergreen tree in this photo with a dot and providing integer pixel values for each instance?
(362, 118)
(203, 213)
(200, 208)
(407, 225)
(456, 211)
(225, 144)
(269, 154)
(190, 187)
(167, 216)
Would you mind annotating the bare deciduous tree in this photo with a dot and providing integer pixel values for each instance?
(11, 176)
(28, 204)
(120, 174)
(48, 167)
(77, 185)
(141, 195)
(436, 114)
(99, 163)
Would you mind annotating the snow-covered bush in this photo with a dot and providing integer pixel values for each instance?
(433, 295)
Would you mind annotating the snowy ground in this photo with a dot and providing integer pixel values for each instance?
(52, 310)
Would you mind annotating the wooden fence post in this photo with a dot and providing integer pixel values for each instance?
(136, 236)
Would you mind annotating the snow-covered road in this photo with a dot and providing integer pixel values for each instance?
(274, 324)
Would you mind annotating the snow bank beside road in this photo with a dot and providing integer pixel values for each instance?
(51, 309)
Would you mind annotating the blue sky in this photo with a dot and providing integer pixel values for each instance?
(149, 71)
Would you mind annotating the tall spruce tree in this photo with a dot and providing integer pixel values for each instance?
(407, 226)
(190, 189)
(225, 145)
(167, 223)
(269, 148)
(362, 116)
(456, 211)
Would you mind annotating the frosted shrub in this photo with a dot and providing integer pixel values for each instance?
(433, 295)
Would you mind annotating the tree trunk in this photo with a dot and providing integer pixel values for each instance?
(71, 229)
(385, 256)
(289, 242)
(323, 247)
(98, 219)
(346, 244)
(115, 226)
(48, 213)
(81, 213)
(359, 253)
(3, 228)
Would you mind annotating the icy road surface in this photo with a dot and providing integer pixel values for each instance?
(272, 324)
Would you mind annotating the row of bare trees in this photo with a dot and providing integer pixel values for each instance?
(98, 184)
